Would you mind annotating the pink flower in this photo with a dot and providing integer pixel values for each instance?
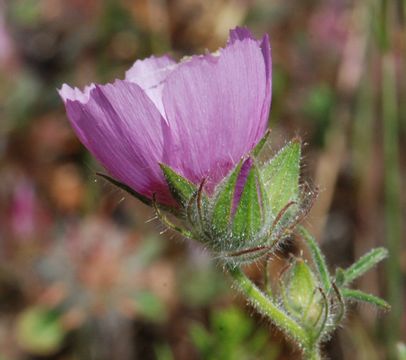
(23, 209)
(199, 116)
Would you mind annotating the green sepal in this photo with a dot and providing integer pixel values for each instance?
(247, 218)
(281, 176)
(359, 295)
(150, 306)
(221, 216)
(258, 148)
(181, 189)
(39, 330)
(126, 188)
(301, 286)
(266, 213)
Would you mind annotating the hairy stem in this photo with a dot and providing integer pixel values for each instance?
(313, 354)
(267, 307)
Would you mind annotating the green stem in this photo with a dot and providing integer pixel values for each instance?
(266, 306)
(314, 354)
(267, 281)
(393, 213)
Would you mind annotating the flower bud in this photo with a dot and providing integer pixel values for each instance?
(301, 294)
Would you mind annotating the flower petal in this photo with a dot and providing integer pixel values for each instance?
(241, 33)
(214, 106)
(266, 52)
(150, 74)
(123, 129)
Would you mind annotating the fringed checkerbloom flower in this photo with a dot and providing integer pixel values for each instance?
(185, 136)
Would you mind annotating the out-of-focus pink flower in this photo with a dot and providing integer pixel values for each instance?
(6, 44)
(328, 26)
(199, 116)
(23, 211)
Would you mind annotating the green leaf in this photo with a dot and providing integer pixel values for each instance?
(231, 325)
(364, 264)
(358, 295)
(222, 209)
(201, 338)
(181, 188)
(163, 352)
(401, 347)
(247, 218)
(281, 176)
(150, 306)
(39, 331)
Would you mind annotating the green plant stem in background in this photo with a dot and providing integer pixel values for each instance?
(392, 199)
(390, 121)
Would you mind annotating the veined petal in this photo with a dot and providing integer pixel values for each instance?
(214, 106)
(150, 74)
(68, 93)
(123, 129)
(266, 52)
(241, 33)
(199, 117)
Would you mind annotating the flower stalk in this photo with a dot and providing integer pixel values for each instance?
(314, 354)
(327, 302)
(266, 306)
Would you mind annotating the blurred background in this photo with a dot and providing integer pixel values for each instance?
(84, 275)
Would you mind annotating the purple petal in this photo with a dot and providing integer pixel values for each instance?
(266, 52)
(241, 180)
(239, 34)
(122, 128)
(215, 108)
(68, 93)
(200, 116)
(150, 74)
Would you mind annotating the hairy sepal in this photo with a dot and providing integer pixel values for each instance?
(243, 230)
(281, 176)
